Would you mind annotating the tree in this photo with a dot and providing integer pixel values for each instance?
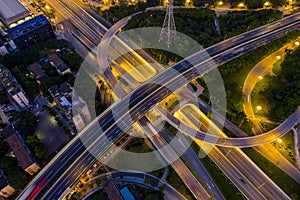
(254, 3)
(3, 98)
(27, 82)
(35, 145)
(72, 59)
(154, 196)
(3, 148)
(49, 69)
(26, 121)
(15, 174)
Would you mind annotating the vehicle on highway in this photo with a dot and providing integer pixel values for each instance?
(36, 190)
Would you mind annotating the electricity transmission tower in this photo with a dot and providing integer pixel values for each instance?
(168, 31)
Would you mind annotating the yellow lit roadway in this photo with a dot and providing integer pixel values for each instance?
(168, 153)
(266, 150)
(226, 166)
(193, 116)
(181, 145)
(83, 22)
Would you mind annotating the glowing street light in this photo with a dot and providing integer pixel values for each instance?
(297, 43)
(279, 140)
(47, 7)
(278, 57)
(220, 3)
(260, 77)
(266, 3)
(241, 5)
(258, 108)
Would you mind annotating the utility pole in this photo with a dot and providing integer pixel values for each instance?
(168, 31)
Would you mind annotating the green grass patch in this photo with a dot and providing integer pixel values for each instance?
(287, 147)
(174, 180)
(138, 145)
(175, 103)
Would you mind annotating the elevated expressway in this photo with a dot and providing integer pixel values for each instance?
(285, 166)
(141, 101)
(220, 141)
(234, 157)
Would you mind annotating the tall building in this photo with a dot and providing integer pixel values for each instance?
(81, 111)
(78, 121)
(31, 32)
(22, 153)
(13, 88)
(20, 98)
(3, 49)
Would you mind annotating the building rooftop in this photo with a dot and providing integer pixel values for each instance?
(17, 146)
(65, 88)
(27, 26)
(53, 90)
(56, 60)
(10, 9)
(112, 191)
(64, 102)
(126, 194)
(37, 72)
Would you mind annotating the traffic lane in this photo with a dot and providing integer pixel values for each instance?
(212, 150)
(184, 149)
(86, 17)
(254, 174)
(69, 177)
(114, 135)
(234, 175)
(219, 119)
(64, 11)
(76, 168)
(231, 55)
(233, 142)
(80, 11)
(180, 168)
(77, 21)
(253, 33)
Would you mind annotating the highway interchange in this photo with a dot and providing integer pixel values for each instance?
(68, 164)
